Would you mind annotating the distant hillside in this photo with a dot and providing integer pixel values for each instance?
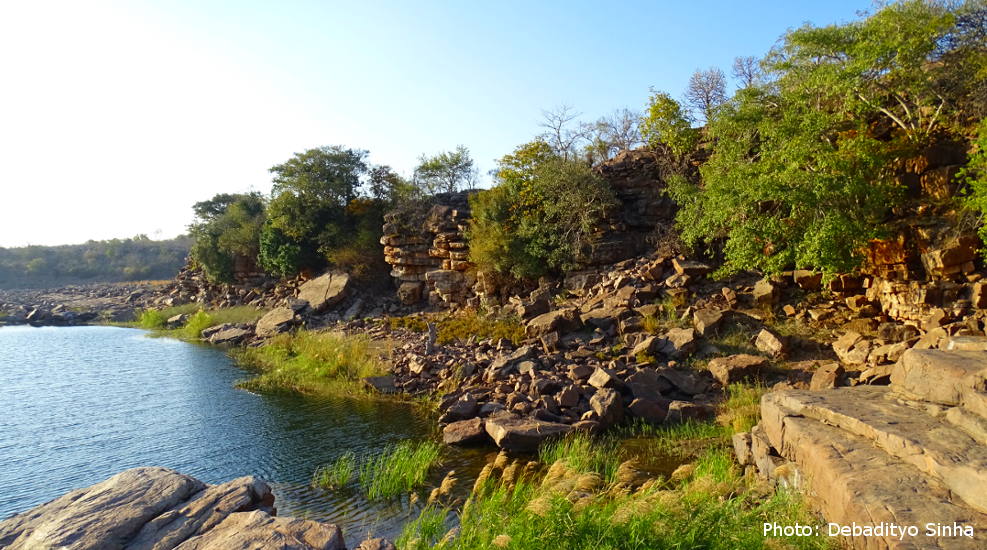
(115, 260)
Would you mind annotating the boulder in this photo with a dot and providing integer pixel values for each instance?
(707, 320)
(176, 321)
(652, 346)
(651, 411)
(465, 432)
(156, 508)
(646, 384)
(684, 411)
(852, 348)
(276, 321)
(608, 407)
(230, 335)
(765, 293)
(561, 321)
(325, 291)
(522, 435)
(827, 376)
(604, 378)
(410, 292)
(680, 342)
(690, 267)
(770, 343)
(463, 408)
(735, 368)
(807, 280)
(685, 381)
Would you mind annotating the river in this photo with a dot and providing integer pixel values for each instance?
(83, 403)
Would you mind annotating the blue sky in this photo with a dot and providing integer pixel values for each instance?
(116, 116)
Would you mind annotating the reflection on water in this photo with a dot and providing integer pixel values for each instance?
(83, 403)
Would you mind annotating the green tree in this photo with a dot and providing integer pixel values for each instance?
(667, 125)
(540, 215)
(320, 212)
(227, 227)
(446, 172)
(802, 172)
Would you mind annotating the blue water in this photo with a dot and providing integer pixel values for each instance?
(83, 403)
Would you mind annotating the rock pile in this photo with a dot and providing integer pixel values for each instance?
(912, 453)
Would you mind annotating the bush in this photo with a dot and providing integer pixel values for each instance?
(539, 217)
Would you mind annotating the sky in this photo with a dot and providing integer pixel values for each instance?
(115, 117)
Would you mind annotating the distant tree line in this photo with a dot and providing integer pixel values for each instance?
(139, 258)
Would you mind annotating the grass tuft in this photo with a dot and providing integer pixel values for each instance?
(337, 474)
(399, 469)
(461, 326)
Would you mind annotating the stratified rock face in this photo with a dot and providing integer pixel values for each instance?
(911, 453)
(160, 509)
(426, 247)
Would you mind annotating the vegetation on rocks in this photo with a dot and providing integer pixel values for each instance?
(452, 327)
(804, 162)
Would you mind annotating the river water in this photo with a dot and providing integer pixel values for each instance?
(83, 403)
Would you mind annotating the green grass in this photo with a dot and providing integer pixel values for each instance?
(199, 319)
(399, 469)
(584, 454)
(714, 508)
(157, 319)
(460, 326)
(742, 408)
(312, 362)
(337, 474)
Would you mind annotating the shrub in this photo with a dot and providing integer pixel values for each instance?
(539, 217)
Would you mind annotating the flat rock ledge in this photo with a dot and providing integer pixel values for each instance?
(911, 454)
(160, 509)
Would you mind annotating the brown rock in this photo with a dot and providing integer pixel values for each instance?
(465, 432)
(608, 407)
(561, 321)
(325, 291)
(765, 293)
(276, 321)
(807, 280)
(522, 435)
(652, 412)
(770, 343)
(735, 368)
(690, 268)
(827, 376)
(707, 320)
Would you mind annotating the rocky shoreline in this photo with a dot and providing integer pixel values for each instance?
(160, 509)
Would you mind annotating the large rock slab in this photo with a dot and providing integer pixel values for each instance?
(276, 321)
(937, 448)
(325, 291)
(561, 321)
(943, 377)
(259, 531)
(851, 480)
(522, 435)
(160, 509)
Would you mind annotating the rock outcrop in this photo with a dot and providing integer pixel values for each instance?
(160, 509)
(912, 453)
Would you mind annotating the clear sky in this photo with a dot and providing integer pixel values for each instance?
(116, 116)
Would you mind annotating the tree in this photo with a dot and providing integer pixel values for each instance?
(612, 134)
(388, 187)
(227, 227)
(562, 132)
(803, 168)
(706, 91)
(746, 70)
(324, 174)
(308, 216)
(446, 172)
(667, 125)
(540, 215)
